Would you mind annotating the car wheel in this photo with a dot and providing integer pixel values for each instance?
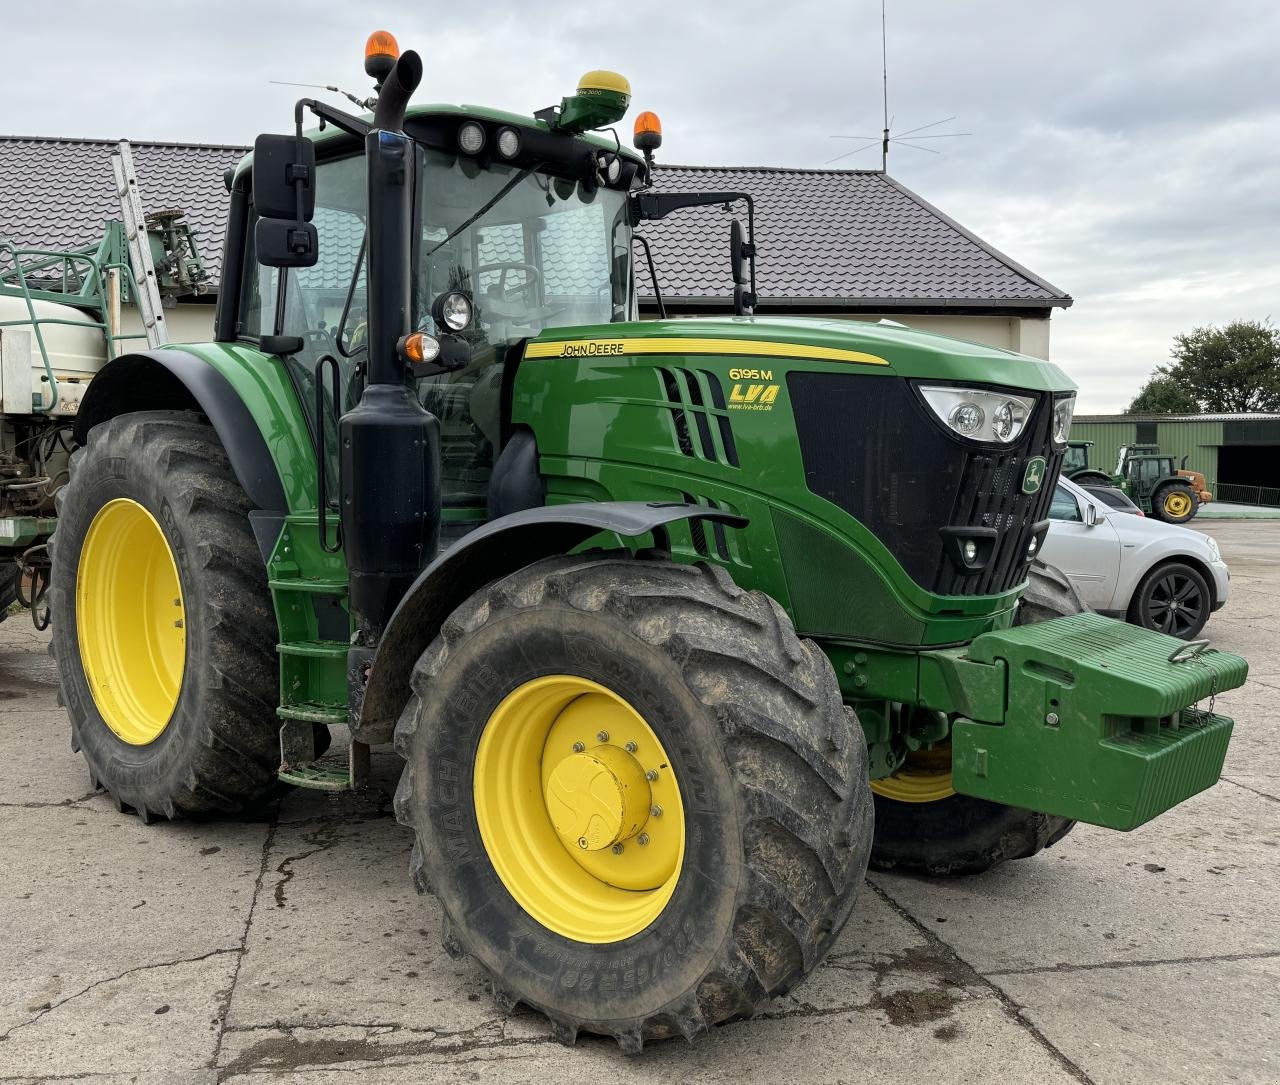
(1173, 599)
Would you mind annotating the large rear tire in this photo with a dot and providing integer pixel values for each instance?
(923, 826)
(1175, 503)
(162, 621)
(756, 807)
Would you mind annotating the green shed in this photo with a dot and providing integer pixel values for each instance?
(1238, 453)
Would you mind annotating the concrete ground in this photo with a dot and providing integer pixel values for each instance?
(293, 949)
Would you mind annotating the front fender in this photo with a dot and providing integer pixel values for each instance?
(489, 553)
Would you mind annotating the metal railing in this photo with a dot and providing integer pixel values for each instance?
(1236, 494)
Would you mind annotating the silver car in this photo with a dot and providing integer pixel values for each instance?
(1158, 575)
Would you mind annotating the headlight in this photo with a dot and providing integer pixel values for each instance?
(1063, 410)
(471, 137)
(980, 414)
(453, 310)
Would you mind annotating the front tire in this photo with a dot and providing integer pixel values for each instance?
(162, 621)
(586, 661)
(1174, 599)
(924, 826)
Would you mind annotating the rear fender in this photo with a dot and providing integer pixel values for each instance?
(172, 380)
(379, 680)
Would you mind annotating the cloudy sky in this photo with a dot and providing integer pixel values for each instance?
(1127, 151)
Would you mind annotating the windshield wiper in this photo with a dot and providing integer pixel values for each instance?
(501, 195)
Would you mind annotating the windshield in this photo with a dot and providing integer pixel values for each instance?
(533, 252)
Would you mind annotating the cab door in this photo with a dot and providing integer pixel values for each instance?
(1088, 555)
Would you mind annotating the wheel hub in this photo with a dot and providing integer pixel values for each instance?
(598, 798)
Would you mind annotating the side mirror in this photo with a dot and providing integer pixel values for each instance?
(740, 251)
(284, 196)
(1093, 515)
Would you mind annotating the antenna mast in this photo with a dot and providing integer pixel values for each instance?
(884, 71)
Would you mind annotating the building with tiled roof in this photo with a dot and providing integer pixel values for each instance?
(852, 243)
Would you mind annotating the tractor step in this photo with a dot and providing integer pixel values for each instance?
(318, 587)
(314, 649)
(317, 777)
(312, 712)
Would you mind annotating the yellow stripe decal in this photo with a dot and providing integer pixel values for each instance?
(600, 348)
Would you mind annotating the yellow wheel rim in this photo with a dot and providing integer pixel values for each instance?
(925, 776)
(579, 809)
(1176, 504)
(130, 621)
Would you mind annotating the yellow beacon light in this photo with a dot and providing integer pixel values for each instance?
(380, 55)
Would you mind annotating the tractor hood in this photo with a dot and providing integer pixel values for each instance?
(889, 347)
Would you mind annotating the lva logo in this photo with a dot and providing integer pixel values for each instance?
(753, 397)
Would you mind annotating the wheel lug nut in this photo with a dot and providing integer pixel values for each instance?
(642, 839)
(655, 811)
(602, 736)
(651, 775)
(582, 843)
(578, 747)
(617, 849)
(630, 747)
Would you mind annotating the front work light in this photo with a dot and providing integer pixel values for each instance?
(508, 142)
(471, 138)
(452, 310)
(980, 414)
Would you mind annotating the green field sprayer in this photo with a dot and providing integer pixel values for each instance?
(677, 624)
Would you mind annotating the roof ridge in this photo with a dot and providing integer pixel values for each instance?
(133, 142)
(768, 169)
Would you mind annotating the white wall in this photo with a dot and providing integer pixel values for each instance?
(1026, 335)
(187, 323)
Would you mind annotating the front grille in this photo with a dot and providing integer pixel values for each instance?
(872, 447)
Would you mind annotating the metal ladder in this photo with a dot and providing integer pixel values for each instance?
(146, 289)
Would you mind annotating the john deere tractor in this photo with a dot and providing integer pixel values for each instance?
(657, 613)
(1147, 476)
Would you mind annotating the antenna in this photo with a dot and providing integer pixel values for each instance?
(885, 138)
(363, 103)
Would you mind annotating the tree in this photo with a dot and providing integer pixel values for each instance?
(1231, 369)
(1163, 395)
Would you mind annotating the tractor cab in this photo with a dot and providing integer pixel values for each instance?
(1076, 458)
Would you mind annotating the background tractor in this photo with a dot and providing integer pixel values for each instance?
(656, 613)
(1148, 477)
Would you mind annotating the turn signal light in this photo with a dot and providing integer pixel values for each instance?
(419, 347)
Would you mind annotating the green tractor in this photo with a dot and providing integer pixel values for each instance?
(1148, 477)
(676, 624)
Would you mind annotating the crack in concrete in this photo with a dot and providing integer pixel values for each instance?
(322, 839)
(1145, 963)
(48, 1008)
(224, 1006)
(291, 1052)
(1013, 1009)
(64, 804)
(1251, 790)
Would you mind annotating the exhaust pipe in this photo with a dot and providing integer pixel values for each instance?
(397, 89)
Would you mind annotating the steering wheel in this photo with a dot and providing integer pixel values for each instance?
(532, 278)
